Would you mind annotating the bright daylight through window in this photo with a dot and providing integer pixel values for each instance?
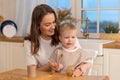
(101, 13)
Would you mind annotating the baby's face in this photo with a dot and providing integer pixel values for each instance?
(68, 38)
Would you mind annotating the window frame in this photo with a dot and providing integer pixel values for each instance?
(76, 12)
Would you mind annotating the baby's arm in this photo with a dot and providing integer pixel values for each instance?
(55, 61)
(82, 69)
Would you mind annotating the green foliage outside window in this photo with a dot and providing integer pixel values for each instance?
(111, 28)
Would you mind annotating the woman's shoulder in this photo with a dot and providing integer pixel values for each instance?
(27, 42)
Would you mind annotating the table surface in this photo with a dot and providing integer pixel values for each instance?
(21, 74)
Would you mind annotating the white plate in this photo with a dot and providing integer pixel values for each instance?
(8, 28)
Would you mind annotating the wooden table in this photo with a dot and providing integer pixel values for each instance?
(20, 74)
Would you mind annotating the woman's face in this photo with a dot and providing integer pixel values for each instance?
(47, 26)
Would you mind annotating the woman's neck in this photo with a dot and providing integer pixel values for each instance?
(46, 37)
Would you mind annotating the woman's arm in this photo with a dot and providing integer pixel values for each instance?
(45, 67)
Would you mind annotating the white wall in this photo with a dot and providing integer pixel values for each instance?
(8, 9)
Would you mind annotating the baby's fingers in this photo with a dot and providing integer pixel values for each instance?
(77, 73)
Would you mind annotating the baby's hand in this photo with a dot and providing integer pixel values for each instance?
(60, 66)
(56, 66)
(84, 70)
(77, 72)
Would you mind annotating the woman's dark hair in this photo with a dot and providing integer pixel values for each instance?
(38, 13)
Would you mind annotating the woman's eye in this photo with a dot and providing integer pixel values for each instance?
(47, 24)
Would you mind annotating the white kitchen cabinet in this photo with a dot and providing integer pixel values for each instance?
(4, 57)
(111, 63)
(12, 56)
(97, 68)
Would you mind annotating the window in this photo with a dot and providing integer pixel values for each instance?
(61, 4)
(100, 13)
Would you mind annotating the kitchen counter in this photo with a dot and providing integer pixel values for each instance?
(13, 39)
(113, 45)
(21, 74)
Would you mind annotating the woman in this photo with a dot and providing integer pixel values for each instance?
(43, 38)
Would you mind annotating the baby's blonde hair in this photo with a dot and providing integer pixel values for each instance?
(66, 27)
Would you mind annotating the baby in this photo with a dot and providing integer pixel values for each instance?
(69, 55)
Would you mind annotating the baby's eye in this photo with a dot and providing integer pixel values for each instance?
(66, 37)
(73, 37)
